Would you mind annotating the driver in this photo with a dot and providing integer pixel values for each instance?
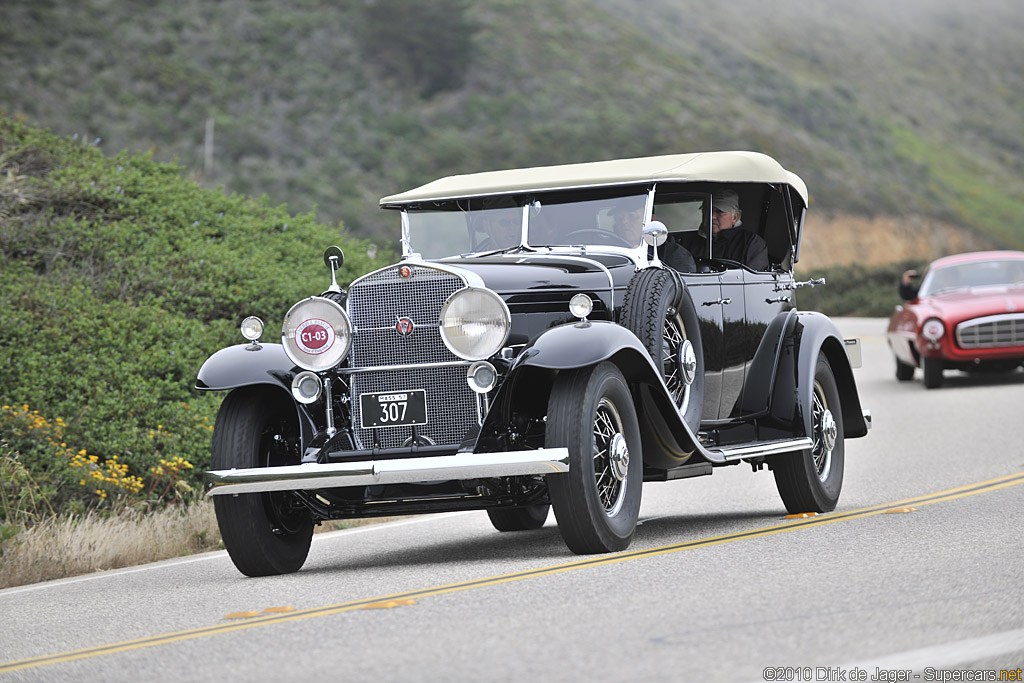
(629, 225)
(628, 217)
(502, 221)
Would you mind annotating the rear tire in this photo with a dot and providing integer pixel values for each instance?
(811, 480)
(597, 502)
(932, 368)
(264, 533)
(519, 519)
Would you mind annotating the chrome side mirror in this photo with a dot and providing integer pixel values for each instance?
(333, 258)
(655, 233)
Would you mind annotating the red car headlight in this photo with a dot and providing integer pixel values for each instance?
(933, 329)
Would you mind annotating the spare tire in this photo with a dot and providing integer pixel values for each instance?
(660, 312)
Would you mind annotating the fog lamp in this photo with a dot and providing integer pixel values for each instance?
(580, 306)
(481, 377)
(306, 387)
(252, 328)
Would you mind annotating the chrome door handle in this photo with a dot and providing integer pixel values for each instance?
(780, 300)
(720, 302)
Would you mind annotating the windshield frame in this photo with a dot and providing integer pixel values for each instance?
(467, 228)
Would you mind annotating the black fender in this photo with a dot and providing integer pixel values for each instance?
(250, 365)
(812, 335)
(243, 364)
(527, 386)
(759, 386)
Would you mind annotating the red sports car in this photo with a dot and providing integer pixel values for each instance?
(968, 314)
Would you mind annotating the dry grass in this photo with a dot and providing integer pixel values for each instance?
(68, 546)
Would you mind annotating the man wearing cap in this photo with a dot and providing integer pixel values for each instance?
(742, 246)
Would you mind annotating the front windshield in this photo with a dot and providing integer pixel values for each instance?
(492, 224)
(1006, 272)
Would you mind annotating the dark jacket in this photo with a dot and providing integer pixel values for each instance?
(733, 244)
(908, 292)
(677, 256)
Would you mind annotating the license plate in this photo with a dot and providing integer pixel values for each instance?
(393, 409)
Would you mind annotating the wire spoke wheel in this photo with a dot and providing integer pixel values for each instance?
(810, 480)
(678, 359)
(659, 311)
(597, 502)
(609, 470)
(824, 433)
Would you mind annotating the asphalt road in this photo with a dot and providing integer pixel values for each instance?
(918, 572)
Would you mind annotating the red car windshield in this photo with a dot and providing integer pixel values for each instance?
(1006, 273)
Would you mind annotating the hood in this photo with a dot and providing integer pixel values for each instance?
(509, 274)
(976, 302)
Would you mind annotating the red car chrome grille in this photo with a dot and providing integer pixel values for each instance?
(995, 331)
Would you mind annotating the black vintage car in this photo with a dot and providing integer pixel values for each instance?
(551, 338)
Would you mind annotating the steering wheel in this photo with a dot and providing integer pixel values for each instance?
(595, 236)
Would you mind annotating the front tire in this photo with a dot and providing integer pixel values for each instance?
(597, 502)
(811, 480)
(519, 519)
(264, 533)
(932, 368)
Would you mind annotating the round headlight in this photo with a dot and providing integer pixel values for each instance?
(933, 329)
(306, 387)
(474, 323)
(316, 334)
(252, 328)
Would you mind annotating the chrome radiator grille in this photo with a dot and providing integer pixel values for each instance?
(451, 405)
(375, 304)
(377, 301)
(992, 332)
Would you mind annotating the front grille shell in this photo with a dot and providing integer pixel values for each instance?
(418, 361)
(991, 332)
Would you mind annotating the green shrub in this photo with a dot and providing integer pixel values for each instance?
(119, 278)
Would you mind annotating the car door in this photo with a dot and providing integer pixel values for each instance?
(705, 291)
(735, 345)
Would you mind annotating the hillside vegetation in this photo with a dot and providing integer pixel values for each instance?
(118, 278)
(168, 167)
(913, 107)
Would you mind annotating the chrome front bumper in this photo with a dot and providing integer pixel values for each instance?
(399, 471)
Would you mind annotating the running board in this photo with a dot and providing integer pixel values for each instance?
(759, 449)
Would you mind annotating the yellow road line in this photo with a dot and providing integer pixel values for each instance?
(271, 619)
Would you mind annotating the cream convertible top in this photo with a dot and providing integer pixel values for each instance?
(736, 167)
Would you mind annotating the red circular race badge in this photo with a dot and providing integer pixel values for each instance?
(314, 336)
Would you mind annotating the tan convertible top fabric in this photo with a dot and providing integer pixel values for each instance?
(736, 167)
